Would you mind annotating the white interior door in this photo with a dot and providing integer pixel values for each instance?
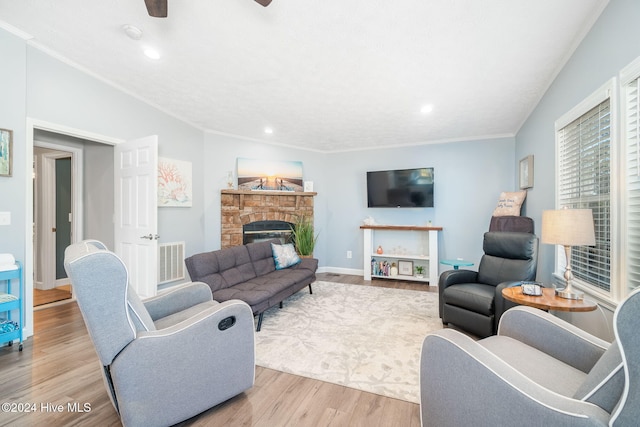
(136, 204)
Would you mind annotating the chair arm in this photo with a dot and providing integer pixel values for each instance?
(177, 299)
(553, 336)
(453, 277)
(462, 383)
(168, 375)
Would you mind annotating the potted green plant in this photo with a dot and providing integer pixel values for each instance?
(419, 271)
(304, 238)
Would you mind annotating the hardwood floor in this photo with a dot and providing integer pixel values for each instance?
(58, 366)
(51, 295)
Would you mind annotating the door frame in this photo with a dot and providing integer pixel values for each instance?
(31, 125)
(49, 202)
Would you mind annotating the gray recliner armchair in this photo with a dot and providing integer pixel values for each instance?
(538, 370)
(167, 358)
(473, 300)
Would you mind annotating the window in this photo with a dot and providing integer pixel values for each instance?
(584, 182)
(599, 171)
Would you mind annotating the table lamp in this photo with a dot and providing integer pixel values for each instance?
(568, 227)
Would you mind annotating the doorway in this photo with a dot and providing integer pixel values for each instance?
(73, 200)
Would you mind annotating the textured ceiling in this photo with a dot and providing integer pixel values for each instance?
(326, 75)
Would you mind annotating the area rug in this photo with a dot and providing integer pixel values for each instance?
(362, 337)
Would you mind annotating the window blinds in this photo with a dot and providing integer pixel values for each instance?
(632, 155)
(584, 183)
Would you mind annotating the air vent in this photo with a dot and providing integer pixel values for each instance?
(171, 262)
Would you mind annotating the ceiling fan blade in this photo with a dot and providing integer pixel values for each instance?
(157, 8)
(264, 3)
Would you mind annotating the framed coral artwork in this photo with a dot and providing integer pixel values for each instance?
(175, 183)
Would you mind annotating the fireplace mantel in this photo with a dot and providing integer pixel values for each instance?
(241, 207)
(243, 193)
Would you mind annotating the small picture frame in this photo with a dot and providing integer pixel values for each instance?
(308, 186)
(405, 268)
(526, 172)
(6, 152)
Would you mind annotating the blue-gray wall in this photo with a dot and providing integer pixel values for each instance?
(469, 175)
(611, 44)
(13, 82)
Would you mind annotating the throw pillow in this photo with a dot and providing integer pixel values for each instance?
(510, 203)
(284, 255)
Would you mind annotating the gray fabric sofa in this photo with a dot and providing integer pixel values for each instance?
(248, 273)
(539, 370)
(169, 357)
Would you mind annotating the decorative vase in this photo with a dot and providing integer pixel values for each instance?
(394, 270)
(379, 250)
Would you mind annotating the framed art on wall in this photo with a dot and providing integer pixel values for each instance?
(6, 152)
(175, 183)
(526, 172)
(269, 175)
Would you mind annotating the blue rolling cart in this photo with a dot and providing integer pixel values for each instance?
(11, 326)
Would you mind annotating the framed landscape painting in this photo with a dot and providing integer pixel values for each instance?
(269, 175)
(6, 152)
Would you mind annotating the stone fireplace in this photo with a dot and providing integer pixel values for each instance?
(240, 208)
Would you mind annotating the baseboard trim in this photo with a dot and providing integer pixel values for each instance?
(341, 270)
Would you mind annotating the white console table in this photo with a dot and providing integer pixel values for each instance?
(429, 260)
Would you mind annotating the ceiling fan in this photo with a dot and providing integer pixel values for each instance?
(158, 8)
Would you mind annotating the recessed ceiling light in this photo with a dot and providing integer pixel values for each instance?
(268, 130)
(151, 53)
(426, 109)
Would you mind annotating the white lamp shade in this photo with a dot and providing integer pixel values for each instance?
(568, 227)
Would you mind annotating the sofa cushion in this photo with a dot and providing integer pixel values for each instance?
(284, 256)
(222, 268)
(261, 256)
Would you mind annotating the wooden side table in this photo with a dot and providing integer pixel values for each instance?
(547, 301)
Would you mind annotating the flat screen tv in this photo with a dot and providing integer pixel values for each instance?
(405, 188)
